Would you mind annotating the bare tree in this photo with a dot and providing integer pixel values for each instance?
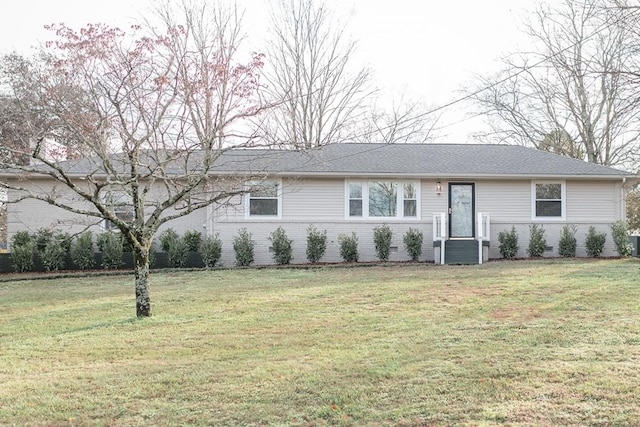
(320, 93)
(406, 121)
(560, 142)
(571, 86)
(626, 14)
(14, 126)
(147, 110)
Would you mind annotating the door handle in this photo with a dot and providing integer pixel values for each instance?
(450, 211)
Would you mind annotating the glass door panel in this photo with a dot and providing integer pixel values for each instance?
(461, 211)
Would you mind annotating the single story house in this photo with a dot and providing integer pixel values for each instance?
(459, 195)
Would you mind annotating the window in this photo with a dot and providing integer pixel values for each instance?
(410, 200)
(264, 199)
(355, 199)
(548, 200)
(122, 205)
(382, 199)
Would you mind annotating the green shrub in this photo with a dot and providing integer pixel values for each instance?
(413, 239)
(177, 247)
(22, 256)
(22, 251)
(110, 244)
(64, 239)
(21, 238)
(82, 251)
(537, 241)
(53, 257)
(620, 236)
(568, 242)
(177, 253)
(192, 239)
(349, 247)
(282, 250)
(167, 237)
(54, 253)
(316, 244)
(508, 243)
(42, 237)
(211, 250)
(594, 242)
(382, 237)
(243, 246)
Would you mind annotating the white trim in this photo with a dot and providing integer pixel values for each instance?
(563, 204)
(483, 232)
(415, 176)
(247, 201)
(399, 200)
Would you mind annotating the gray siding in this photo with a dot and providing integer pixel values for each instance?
(597, 203)
(322, 199)
(507, 202)
(321, 202)
(297, 231)
(31, 214)
(593, 201)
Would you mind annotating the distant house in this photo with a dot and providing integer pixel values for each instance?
(459, 195)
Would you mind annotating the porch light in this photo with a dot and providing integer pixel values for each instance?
(438, 188)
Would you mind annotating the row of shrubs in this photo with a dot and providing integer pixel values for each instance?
(53, 248)
(594, 241)
(282, 246)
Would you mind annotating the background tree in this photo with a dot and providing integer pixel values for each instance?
(320, 94)
(147, 109)
(560, 142)
(14, 128)
(626, 14)
(25, 119)
(571, 85)
(406, 121)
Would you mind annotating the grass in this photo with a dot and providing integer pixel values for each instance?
(553, 342)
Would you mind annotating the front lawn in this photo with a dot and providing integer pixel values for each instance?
(552, 342)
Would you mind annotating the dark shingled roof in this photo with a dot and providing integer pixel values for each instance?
(436, 160)
(411, 160)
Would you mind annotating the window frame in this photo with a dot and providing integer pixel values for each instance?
(359, 199)
(400, 199)
(248, 198)
(563, 201)
(405, 199)
(113, 202)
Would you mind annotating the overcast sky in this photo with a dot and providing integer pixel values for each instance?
(427, 49)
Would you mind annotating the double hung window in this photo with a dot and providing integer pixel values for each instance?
(264, 199)
(548, 200)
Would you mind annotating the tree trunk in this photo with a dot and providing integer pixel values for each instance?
(143, 299)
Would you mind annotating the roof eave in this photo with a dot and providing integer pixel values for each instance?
(442, 176)
(449, 176)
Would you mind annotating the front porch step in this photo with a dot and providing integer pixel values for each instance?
(461, 252)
